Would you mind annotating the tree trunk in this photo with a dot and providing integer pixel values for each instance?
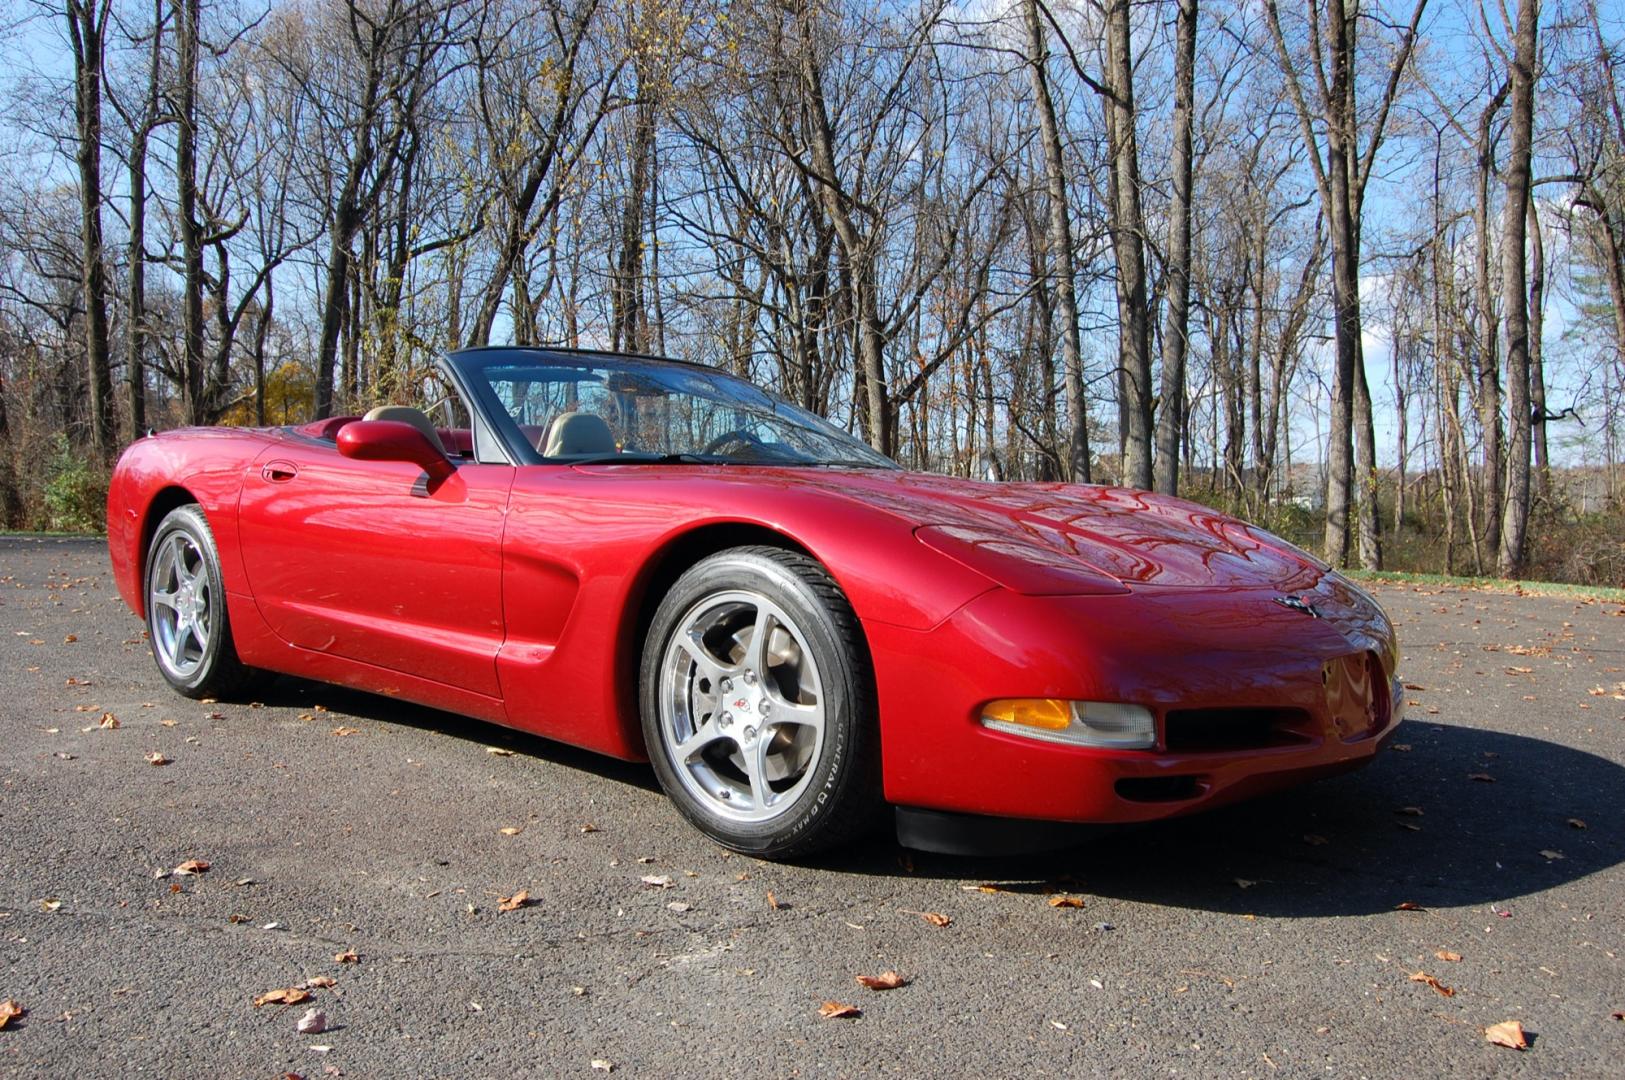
(1515, 290)
(1128, 241)
(87, 22)
(1176, 322)
(1060, 245)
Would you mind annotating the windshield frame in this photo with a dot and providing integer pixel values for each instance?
(468, 370)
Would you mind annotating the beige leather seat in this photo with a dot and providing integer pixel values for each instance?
(405, 414)
(574, 433)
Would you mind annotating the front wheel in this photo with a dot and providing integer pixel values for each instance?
(757, 705)
(186, 610)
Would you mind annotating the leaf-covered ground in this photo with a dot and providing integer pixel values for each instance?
(430, 896)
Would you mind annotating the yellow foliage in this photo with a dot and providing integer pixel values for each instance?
(290, 393)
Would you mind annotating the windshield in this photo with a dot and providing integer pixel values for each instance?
(611, 410)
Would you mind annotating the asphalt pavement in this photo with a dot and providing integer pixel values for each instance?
(1370, 925)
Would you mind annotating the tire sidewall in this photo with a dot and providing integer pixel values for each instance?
(189, 520)
(798, 825)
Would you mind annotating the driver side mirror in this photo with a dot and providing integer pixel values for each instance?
(392, 440)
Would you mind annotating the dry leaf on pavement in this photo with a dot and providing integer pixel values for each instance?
(157, 758)
(510, 830)
(836, 1010)
(343, 731)
(108, 721)
(886, 980)
(657, 881)
(936, 918)
(515, 902)
(1508, 1033)
(1424, 977)
(288, 995)
(348, 956)
(1447, 956)
(320, 982)
(1409, 905)
(314, 1022)
(190, 866)
(10, 1009)
(499, 751)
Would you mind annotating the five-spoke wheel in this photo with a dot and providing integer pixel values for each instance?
(186, 610)
(756, 704)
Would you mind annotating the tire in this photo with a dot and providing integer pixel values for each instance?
(758, 707)
(187, 623)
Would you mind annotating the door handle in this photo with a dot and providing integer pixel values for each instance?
(279, 472)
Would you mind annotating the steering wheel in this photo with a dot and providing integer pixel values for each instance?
(744, 438)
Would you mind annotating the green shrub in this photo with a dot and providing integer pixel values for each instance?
(75, 491)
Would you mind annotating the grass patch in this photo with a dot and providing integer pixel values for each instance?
(1491, 584)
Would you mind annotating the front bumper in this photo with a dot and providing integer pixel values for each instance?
(1249, 695)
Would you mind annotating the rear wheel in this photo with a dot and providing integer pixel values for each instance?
(186, 610)
(757, 706)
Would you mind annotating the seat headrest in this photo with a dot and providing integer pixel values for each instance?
(405, 414)
(575, 433)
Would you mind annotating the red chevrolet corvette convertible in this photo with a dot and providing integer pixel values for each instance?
(653, 559)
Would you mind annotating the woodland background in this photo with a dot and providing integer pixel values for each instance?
(1353, 270)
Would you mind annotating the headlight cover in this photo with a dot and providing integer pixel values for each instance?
(1101, 725)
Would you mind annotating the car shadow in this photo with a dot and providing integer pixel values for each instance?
(292, 692)
(1449, 817)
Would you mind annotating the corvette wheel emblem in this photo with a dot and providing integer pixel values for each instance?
(1298, 603)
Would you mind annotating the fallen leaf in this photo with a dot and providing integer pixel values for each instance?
(1576, 823)
(314, 1022)
(499, 751)
(1447, 956)
(657, 881)
(1508, 1033)
(1244, 883)
(886, 980)
(1409, 905)
(65, 756)
(341, 732)
(1549, 855)
(348, 956)
(515, 902)
(168, 723)
(1481, 777)
(603, 1066)
(11, 1009)
(108, 721)
(589, 828)
(50, 904)
(936, 919)
(1403, 748)
(772, 901)
(1424, 977)
(836, 1010)
(511, 830)
(157, 758)
(678, 906)
(1065, 902)
(290, 995)
(1410, 811)
(236, 919)
(191, 866)
(321, 982)
(70, 639)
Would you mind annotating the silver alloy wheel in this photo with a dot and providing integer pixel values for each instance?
(178, 596)
(741, 706)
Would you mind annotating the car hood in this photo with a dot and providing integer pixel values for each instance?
(1136, 537)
